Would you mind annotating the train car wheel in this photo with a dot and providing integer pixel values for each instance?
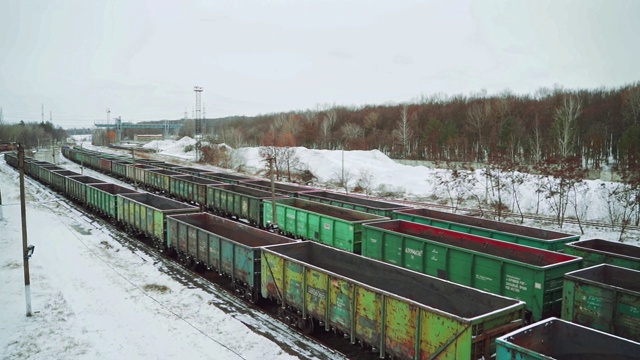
(305, 325)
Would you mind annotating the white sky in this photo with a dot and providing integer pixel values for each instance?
(142, 58)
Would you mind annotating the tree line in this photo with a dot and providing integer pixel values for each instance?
(32, 134)
(599, 126)
(557, 134)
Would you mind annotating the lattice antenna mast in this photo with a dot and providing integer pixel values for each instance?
(198, 91)
(108, 116)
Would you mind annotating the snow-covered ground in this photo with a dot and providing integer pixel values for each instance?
(96, 296)
(381, 174)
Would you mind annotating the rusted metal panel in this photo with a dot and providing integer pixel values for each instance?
(232, 248)
(105, 164)
(400, 313)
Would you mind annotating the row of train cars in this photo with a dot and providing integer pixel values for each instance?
(410, 283)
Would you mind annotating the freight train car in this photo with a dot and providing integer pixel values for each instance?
(193, 171)
(520, 272)
(145, 213)
(159, 179)
(44, 173)
(227, 178)
(598, 251)
(377, 207)
(513, 233)
(76, 187)
(398, 313)
(557, 339)
(604, 297)
(237, 201)
(59, 179)
(191, 188)
(291, 190)
(230, 248)
(326, 224)
(102, 199)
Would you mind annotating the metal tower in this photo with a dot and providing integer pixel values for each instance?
(198, 91)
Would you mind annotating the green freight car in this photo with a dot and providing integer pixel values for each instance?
(32, 167)
(521, 272)
(11, 159)
(598, 251)
(119, 168)
(330, 225)
(192, 171)
(103, 198)
(513, 233)
(231, 248)
(291, 190)
(59, 179)
(226, 178)
(604, 297)
(136, 172)
(159, 179)
(377, 207)
(398, 313)
(76, 187)
(191, 188)
(558, 339)
(236, 201)
(44, 173)
(145, 213)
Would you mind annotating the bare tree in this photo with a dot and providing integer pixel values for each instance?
(565, 127)
(478, 117)
(403, 133)
(351, 131)
(371, 121)
(631, 106)
(328, 121)
(536, 142)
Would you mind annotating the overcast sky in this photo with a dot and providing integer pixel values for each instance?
(142, 58)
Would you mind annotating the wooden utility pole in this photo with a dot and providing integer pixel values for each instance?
(133, 158)
(23, 214)
(273, 192)
(1, 216)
